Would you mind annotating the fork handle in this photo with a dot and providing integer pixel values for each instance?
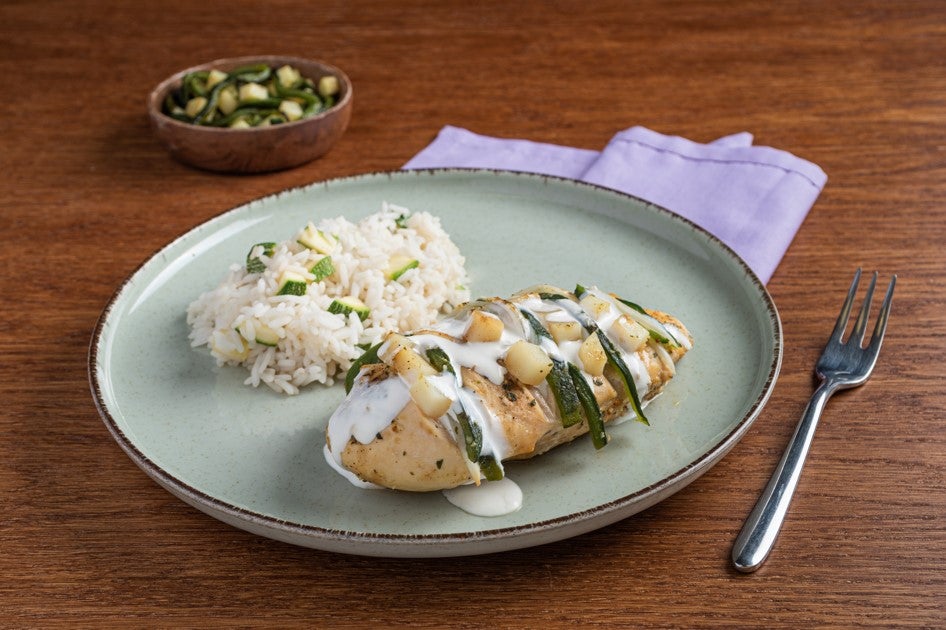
(761, 528)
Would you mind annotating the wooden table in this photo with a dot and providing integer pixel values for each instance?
(856, 87)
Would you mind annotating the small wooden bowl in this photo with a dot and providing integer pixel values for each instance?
(257, 149)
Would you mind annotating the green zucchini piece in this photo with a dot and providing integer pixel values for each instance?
(490, 469)
(368, 357)
(322, 269)
(317, 240)
(627, 379)
(401, 220)
(266, 336)
(590, 406)
(253, 263)
(399, 265)
(291, 283)
(439, 360)
(346, 305)
(472, 436)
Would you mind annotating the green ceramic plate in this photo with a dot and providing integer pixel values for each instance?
(253, 458)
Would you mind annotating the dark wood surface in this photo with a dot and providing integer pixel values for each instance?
(856, 87)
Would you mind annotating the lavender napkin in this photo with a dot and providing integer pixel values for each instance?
(753, 198)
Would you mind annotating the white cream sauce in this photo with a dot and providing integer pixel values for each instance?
(370, 408)
(490, 498)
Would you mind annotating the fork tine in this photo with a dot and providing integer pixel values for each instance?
(881, 326)
(857, 333)
(846, 309)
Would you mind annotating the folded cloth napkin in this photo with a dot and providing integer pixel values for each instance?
(753, 198)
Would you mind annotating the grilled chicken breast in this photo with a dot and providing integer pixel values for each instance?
(501, 379)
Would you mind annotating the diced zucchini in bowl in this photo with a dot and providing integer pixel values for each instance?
(291, 110)
(251, 92)
(195, 106)
(288, 76)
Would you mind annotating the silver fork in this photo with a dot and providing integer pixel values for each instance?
(843, 364)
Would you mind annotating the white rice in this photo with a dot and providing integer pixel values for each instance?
(315, 345)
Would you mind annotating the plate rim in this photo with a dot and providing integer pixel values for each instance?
(346, 541)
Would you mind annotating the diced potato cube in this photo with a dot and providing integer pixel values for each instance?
(291, 110)
(564, 331)
(228, 101)
(215, 77)
(253, 92)
(592, 356)
(411, 366)
(288, 76)
(527, 362)
(484, 327)
(391, 346)
(629, 334)
(195, 105)
(595, 306)
(429, 399)
(240, 123)
(328, 86)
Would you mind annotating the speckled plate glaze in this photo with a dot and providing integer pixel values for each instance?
(253, 458)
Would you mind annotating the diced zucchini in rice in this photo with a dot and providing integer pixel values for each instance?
(282, 316)
(398, 266)
(291, 283)
(346, 305)
(322, 269)
(316, 239)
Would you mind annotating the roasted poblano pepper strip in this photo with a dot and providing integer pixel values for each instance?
(658, 332)
(253, 263)
(472, 436)
(439, 359)
(213, 98)
(627, 379)
(369, 357)
(563, 390)
(257, 73)
(490, 469)
(590, 406)
(565, 394)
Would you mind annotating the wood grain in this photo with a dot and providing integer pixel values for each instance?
(858, 87)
